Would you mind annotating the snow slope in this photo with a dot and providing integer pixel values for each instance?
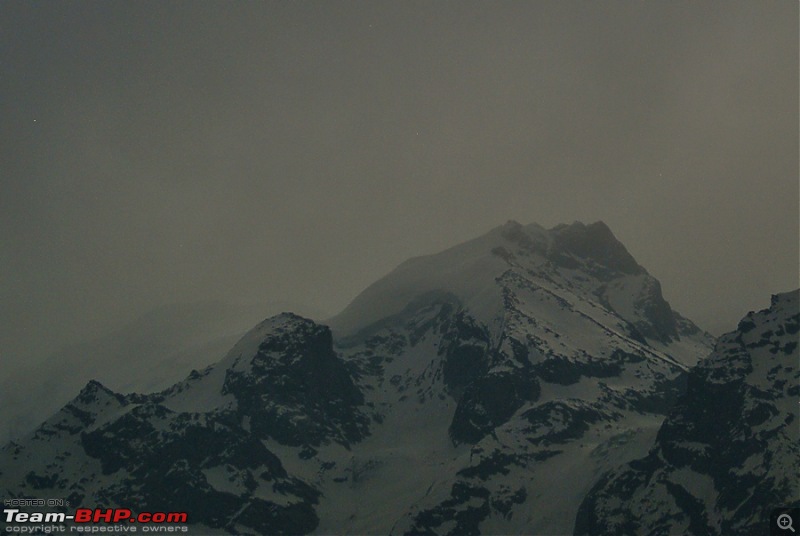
(484, 389)
(728, 452)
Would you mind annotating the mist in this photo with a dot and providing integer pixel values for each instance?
(156, 153)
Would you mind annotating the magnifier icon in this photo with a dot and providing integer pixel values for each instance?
(785, 522)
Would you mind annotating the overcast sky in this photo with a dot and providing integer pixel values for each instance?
(296, 151)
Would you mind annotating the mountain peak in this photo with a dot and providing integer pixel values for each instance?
(488, 368)
(586, 261)
(530, 238)
(511, 228)
(596, 242)
(785, 299)
(94, 390)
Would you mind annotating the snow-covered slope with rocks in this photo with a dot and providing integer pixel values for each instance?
(484, 389)
(171, 340)
(200, 446)
(729, 451)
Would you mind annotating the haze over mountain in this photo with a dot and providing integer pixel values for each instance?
(535, 378)
(146, 355)
(484, 389)
(169, 152)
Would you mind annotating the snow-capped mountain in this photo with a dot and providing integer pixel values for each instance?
(729, 451)
(484, 389)
(172, 339)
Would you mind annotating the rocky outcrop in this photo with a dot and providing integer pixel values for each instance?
(728, 452)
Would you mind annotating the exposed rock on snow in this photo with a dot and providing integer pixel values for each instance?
(484, 389)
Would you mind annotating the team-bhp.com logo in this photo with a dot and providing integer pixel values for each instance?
(118, 515)
(90, 519)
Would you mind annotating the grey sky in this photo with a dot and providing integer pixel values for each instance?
(296, 151)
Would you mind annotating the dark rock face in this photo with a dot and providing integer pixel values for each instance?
(467, 506)
(727, 453)
(554, 369)
(561, 421)
(487, 397)
(211, 463)
(490, 401)
(162, 460)
(595, 249)
(660, 322)
(596, 242)
(660, 400)
(657, 320)
(169, 456)
(296, 390)
(465, 345)
(451, 400)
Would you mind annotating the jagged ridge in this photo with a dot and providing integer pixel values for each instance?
(728, 452)
(507, 365)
